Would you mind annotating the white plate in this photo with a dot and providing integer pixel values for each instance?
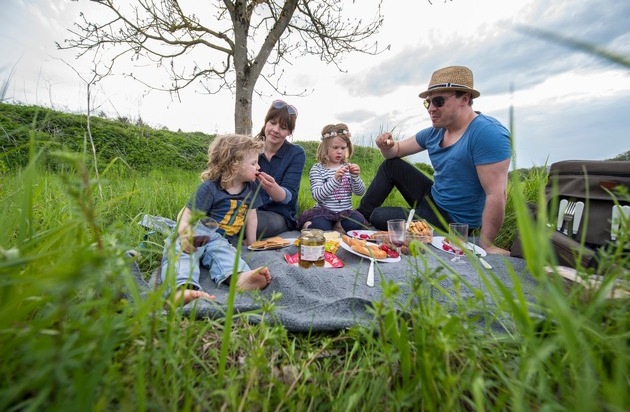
(436, 242)
(349, 249)
(291, 243)
(357, 234)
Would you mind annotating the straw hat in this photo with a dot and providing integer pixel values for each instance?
(456, 78)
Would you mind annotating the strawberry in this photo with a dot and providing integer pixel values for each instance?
(391, 253)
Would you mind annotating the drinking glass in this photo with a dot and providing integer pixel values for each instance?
(203, 231)
(458, 235)
(396, 229)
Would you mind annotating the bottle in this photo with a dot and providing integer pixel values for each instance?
(312, 247)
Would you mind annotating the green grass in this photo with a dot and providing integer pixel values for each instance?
(70, 341)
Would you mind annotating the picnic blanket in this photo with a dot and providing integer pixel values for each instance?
(329, 299)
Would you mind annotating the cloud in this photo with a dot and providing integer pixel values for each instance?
(502, 55)
(571, 131)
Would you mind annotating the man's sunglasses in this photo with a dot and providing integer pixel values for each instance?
(436, 101)
(281, 104)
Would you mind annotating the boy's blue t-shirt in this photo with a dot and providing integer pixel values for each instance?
(456, 187)
(228, 210)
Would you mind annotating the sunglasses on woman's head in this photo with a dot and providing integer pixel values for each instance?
(281, 104)
(436, 101)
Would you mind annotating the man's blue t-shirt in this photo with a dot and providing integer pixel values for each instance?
(456, 188)
(228, 210)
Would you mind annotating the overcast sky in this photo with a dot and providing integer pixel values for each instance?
(567, 104)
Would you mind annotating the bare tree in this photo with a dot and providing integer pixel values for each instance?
(97, 75)
(225, 44)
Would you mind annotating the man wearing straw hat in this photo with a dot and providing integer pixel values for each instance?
(470, 153)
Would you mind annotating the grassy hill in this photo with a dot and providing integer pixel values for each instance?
(139, 147)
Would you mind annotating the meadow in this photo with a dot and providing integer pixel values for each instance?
(75, 334)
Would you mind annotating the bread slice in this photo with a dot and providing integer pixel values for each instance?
(271, 242)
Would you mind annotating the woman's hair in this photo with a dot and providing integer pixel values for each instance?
(279, 110)
(225, 156)
(328, 133)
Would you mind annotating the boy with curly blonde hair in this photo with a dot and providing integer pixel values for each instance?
(228, 196)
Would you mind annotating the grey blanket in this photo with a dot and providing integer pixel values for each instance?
(327, 299)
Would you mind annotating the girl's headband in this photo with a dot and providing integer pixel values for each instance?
(333, 134)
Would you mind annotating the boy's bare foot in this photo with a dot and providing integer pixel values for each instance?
(186, 296)
(254, 279)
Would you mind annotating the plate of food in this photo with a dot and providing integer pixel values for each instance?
(361, 234)
(271, 243)
(362, 248)
(440, 242)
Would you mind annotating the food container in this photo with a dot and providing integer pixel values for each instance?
(421, 228)
(411, 237)
(312, 248)
(332, 241)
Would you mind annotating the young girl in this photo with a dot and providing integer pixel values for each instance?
(333, 182)
(227, 195)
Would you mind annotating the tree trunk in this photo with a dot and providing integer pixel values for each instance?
(247, 72)
(243, 106)
(244, 83)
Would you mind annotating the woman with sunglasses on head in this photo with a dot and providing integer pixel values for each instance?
(281, 166)
(470, 153)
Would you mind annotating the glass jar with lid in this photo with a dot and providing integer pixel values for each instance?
(312, 248)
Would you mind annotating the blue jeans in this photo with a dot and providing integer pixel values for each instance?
(353, 221)
(217, 255)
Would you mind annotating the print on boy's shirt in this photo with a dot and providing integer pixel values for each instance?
(234, 217)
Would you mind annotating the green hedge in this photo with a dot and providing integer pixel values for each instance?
(141, 147)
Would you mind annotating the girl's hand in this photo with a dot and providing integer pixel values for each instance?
(340, 172)
(354, 169)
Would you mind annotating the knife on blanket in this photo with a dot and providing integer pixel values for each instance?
(484, 263)
(370, 278)
(577, 217)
